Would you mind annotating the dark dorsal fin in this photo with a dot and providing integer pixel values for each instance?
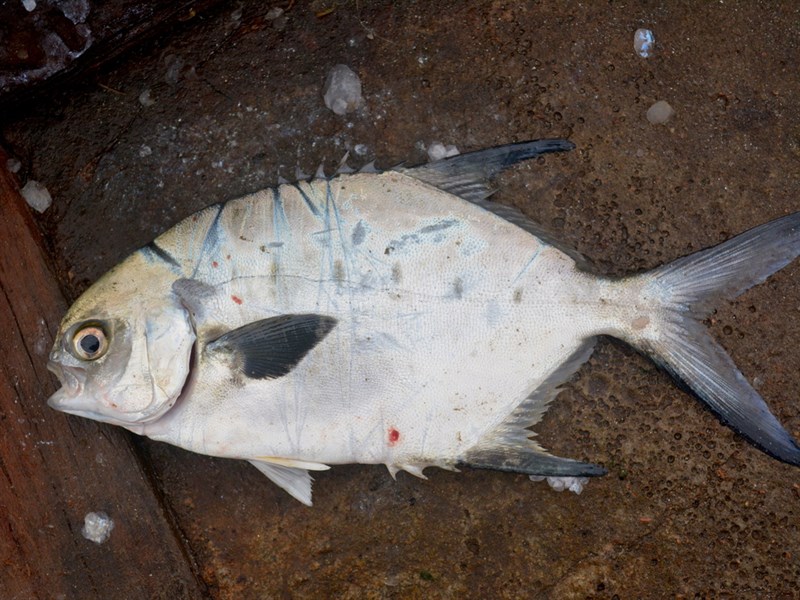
(467, 175)
(271, 348)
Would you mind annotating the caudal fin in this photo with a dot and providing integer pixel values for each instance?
(687, 289)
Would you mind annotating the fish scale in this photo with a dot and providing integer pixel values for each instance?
(397, 318)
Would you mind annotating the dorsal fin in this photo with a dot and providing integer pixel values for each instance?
(467, 175)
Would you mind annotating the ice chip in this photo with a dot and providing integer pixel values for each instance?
(438, 151)
(37, 196)
(13, 165)
(559, 484)
(342, 92)
(643, 42)
(660, 112)
(97, 527)
(145, 99)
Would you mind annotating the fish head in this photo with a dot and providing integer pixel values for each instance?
(123, 351)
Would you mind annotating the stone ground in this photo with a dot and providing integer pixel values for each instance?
(688, 509)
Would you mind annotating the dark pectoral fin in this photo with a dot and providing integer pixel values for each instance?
(272, 347)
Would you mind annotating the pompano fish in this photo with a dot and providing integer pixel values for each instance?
(395, 318)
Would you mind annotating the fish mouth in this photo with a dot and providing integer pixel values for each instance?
(72, 381)
(69, 397)
(68, 400)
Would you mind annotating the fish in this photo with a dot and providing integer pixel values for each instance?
(396, 317)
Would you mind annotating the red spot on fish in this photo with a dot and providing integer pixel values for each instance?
(236, 299)
(394, 436)
(214, 264)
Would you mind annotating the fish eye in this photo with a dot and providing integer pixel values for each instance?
(90, 342)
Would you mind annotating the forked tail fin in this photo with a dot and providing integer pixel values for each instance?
(686, 291)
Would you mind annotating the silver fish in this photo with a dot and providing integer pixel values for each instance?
(395, 318)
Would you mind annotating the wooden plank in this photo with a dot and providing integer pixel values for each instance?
(55, 469)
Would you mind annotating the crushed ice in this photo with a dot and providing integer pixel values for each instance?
(145, 99)
(13, 165)
(660, 112)
(438, 151)
(342, 93)
(559, 484)
(643, 42)
(36, 195)
(97, 527)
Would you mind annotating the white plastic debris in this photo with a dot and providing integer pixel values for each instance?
(97, 527)
(342, 92)
(644, 42)
(559, 484)
(30, 5)
(145, 150)
(660, 112)
(36, 195)
(438, 151)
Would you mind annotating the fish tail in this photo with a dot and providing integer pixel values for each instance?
(682, 293)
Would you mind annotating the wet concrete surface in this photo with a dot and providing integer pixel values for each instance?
(688, 509)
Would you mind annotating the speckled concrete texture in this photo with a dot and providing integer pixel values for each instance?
(688, 509)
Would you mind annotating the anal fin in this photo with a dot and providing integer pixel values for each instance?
(297, 482)
(530, 461)
(509, 446)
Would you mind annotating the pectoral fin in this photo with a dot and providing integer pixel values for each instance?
(271, 348)
(297, 482)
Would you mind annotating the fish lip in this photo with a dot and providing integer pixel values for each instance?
(72, 381)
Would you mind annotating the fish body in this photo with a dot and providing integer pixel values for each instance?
(394, 318)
